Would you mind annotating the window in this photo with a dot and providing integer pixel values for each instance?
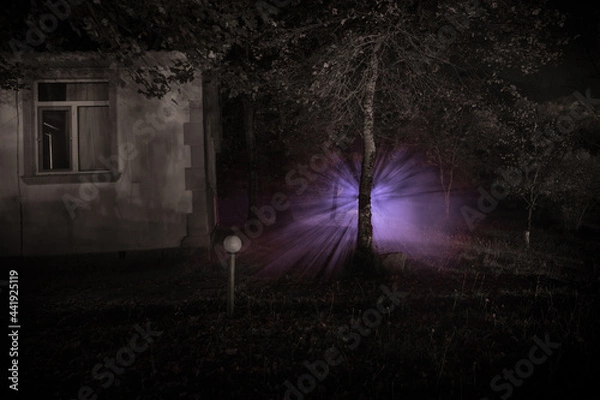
(73, 123)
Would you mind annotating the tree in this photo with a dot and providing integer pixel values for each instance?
(575, 189)
(361, 68)
(374, 66)
(452, 130)
(535, 149)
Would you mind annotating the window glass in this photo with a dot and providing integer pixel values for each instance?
(76, 91)
(52, 91)
(55, 140)
(94, 137)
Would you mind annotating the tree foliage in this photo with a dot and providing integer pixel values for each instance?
(352, 68)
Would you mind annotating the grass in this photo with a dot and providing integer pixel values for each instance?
(462, 322)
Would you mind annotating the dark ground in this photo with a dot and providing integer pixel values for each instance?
(461, 323)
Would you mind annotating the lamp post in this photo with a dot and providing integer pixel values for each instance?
(232, 245)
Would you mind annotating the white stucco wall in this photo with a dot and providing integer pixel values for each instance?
(145, 208)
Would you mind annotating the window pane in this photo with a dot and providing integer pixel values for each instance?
(52, 92)
(77, 91)
(55, 140)
(94, 137)
(87, 91)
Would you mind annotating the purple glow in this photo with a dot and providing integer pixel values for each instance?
(322, 236)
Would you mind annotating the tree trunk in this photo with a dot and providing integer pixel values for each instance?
(447, 188)
(529, 218)
(531, 203)
(365, 259)
(530, 207)
(252, 154)
(447, 200)
(451, 180)
(581, 215)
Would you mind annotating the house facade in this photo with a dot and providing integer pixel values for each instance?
(88, 164)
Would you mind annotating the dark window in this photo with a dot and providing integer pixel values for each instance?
(76, 91)
(52, 91)
(55, 139)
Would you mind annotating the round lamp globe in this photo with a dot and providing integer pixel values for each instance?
(232, 244)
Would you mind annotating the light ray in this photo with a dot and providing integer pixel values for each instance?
(322, 236)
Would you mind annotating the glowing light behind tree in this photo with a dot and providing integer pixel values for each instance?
(322, 237)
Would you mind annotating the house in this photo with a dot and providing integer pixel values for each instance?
(88, 164)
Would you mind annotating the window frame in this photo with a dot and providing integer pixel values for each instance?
(33, 172)
(73, 106)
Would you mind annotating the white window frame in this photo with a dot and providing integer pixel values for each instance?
(74, 106)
